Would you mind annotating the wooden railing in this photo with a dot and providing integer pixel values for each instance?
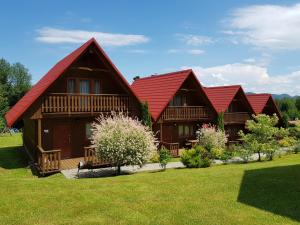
(172, 147)
(48, 161)
(185, 113)
(236, 117)
(91, 159)
(85, 103)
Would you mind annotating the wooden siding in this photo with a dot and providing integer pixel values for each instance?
(185, 113)
(236, 117)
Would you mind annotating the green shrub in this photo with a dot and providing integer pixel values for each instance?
(226, 155)
(196, 157)
(287, 142)
(217, 152)
(295, 131)
(154, 157)
(164, 157)
(244, 152)
(297, 149)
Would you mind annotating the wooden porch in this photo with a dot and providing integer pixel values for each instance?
(51, 162)
(236, 117)
(185, 113)
(65, 103)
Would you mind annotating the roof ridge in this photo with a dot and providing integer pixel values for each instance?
(164, 74)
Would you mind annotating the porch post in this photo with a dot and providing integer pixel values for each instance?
(39, 132)
(161, 133)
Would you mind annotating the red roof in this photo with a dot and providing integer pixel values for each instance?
(258, 101)
(222, 96)
(56, 71)
(158, 90)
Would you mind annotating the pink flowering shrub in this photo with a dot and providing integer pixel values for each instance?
(210, 137)
(122, 140)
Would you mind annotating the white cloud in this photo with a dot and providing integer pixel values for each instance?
(195, 51)
(188, 51)
(253, 78)
(57, 36)
(266, 26)
(194, 40)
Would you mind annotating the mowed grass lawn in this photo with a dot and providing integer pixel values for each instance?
(255, 193)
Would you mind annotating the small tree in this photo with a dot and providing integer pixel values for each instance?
(211, 137)
(122, 140)
(164, 157)
(146, 116)
(262, 135)
(220, 121)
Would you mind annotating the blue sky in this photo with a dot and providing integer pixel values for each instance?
(253, 43)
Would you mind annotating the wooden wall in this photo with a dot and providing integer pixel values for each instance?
(30, 135)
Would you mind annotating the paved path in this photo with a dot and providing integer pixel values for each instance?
(110, 171)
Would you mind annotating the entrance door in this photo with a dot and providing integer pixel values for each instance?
(62, 138)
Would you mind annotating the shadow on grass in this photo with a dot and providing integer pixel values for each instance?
(276, 190)
(12, 158)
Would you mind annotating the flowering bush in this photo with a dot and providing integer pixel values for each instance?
(122, 140)
(211, 137)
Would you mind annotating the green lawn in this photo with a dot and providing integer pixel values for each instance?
(254, 193)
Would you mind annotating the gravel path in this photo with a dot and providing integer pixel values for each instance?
(110, 171)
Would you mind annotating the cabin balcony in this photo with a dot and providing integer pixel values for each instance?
(66, 103)
(236, 117)
(173, 113)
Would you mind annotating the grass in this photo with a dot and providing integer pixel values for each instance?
(254, 193)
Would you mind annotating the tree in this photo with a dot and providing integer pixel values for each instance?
(18, 83)
(146, 116)
(220, 121)
(262, 135)
(297, 103)
(14, 83)
(122, 140)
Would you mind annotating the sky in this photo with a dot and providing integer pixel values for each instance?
(253, 43)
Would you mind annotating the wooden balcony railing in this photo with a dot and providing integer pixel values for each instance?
(236, 117)
(81, 103)
(172, 147)
(91, 159)
(48, 161)
(185, 113)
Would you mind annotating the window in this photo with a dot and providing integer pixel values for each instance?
(96, 87)
(180, 131)
(88, 130)
(179, 100)
(84, 86)
(71, 86)
(185, 130)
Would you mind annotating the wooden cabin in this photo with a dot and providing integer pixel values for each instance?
(58, 111)
(232, 101)
(178, 105)
(264, 104)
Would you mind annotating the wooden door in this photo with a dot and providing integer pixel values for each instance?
(168, 133)
(62, 138)
(77, 138)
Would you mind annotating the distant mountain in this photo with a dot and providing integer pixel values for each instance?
(280, 96)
